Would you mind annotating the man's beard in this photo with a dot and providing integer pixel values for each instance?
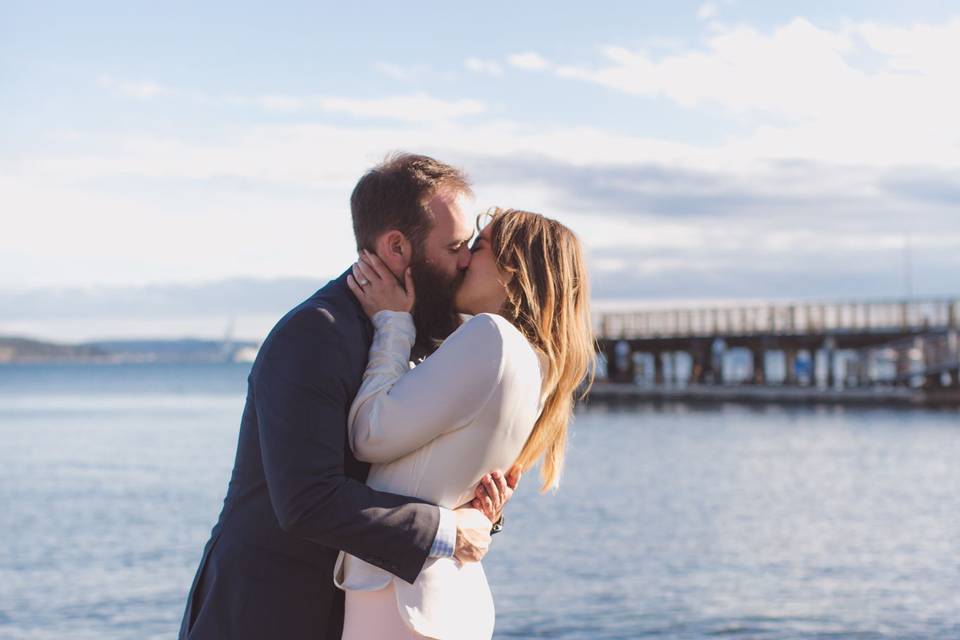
(433, 312)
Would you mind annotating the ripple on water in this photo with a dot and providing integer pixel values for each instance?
(672, 521)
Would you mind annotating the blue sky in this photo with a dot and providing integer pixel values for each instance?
(702, 150)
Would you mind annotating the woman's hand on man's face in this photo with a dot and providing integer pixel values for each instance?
(377, 289)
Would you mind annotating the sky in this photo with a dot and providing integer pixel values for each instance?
(168, 162)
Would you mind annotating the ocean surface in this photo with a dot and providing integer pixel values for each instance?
(673, 521)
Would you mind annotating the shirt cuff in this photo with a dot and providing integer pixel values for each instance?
(446, 540)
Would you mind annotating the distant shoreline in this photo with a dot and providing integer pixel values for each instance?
(19, 350)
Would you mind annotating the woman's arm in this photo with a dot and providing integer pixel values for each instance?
(398, 410)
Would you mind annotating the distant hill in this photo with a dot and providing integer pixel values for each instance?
(27, 350)
(183, 350)
(17, 349)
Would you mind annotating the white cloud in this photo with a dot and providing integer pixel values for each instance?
(134, 89)
(530, 61)
(411, 73)
(226, 207)
(280, 103)
(488, 67)
(921, 49)
(707, 11)
(236, 194)
(415, 108)
(741, 70)
(399, 72)
(807, 98)
(418, 107)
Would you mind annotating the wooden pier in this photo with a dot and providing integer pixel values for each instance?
(902, 351)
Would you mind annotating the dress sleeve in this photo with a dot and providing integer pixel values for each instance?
(398, 409)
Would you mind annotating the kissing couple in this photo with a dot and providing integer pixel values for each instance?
(365, 491)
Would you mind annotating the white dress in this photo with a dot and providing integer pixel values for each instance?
(432, 432)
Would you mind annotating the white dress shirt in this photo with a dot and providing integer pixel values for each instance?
(432, 432)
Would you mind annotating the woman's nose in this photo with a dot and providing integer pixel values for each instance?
(463, 260)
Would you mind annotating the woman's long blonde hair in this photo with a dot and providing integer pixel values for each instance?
(548, 300)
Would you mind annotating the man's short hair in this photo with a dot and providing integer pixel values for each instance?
(395, 193)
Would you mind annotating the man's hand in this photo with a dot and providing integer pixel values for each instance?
(494, 490)
(473, 535)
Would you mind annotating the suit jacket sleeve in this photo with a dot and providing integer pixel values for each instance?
(302, 395)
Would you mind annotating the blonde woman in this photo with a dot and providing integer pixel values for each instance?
(499, 391)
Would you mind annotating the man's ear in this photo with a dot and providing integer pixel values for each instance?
(395, 251)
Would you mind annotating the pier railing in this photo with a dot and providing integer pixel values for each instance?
(883, 316)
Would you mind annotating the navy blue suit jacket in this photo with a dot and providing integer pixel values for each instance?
(296, 496)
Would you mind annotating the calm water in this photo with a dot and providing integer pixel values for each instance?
(672, 522)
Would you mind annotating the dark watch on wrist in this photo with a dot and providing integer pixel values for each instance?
(497, 526)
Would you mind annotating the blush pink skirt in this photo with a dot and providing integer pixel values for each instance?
(374, 614)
